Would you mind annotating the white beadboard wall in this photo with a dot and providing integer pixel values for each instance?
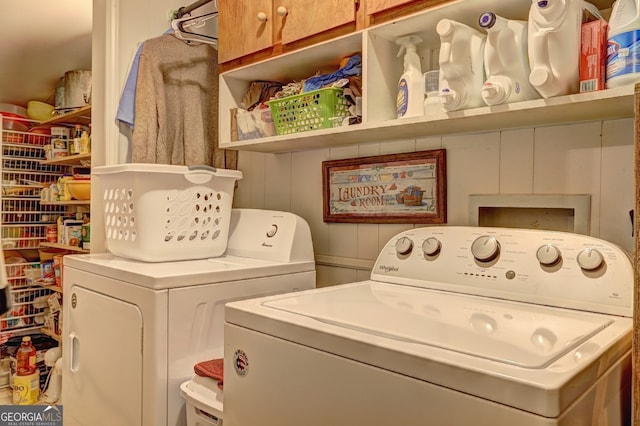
(593, 158)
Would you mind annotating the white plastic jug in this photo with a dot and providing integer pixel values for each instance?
(554, 45)
(461, 65)
(506, 61)
(623, 44)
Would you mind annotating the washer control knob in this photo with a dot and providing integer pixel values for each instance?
(548, 254)
(404, 246)
(485, 248)
(431, 246)
(272, 231)
(590, 259)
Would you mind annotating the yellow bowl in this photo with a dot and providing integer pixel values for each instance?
(39, 110)
(80, 189)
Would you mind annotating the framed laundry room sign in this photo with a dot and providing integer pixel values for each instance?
(396, 188)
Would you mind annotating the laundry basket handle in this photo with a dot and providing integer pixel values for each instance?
(203, 167)
(194, 175)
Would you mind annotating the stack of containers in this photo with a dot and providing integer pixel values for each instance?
(541, 57)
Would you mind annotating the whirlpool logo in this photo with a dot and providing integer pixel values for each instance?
(388, 269)
(30, 415)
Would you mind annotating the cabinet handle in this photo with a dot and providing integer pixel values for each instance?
(262, 17)
(282, 11)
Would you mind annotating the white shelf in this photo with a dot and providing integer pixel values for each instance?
(602, 105)
(64, 247)
(70, 160)
(77, 116)
(381, 69)
(66, 203)
(50, 333)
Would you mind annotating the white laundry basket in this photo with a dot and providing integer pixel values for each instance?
(203, 400)
(158, 213)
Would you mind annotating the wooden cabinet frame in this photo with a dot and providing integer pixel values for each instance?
(635, 352)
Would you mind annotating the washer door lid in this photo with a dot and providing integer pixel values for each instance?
(520, 334)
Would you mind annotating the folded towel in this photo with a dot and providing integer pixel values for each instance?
(352, 67)
(213, 368)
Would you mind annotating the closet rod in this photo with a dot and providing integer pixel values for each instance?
(188, 9)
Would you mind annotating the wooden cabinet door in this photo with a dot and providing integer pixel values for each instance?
(240, 30)
(376, 6)
(378, 11)
(305, 18)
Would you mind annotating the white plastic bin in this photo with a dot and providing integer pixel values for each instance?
(203, 401)
(158, 213)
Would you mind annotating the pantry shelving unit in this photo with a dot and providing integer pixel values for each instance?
(24, 221)
(80, 116)
(24, 217)
(381, 70)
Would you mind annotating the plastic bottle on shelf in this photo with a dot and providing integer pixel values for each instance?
(410, 94)
(623, 44)
(26, 382)
(554, 45)
(74, 146)
(461, 65)
(84, 147)
(26, 358)
(506, 61)
(432, 104)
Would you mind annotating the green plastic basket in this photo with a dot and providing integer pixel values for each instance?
(317, 109)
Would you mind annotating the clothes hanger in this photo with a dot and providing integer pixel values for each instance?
(182, 23)
(184, 28)
(186, 10)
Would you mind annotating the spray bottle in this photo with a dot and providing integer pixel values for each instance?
(410, 98)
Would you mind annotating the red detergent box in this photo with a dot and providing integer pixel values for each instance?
(593, 51)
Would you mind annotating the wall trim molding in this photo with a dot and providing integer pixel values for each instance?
(344, 262)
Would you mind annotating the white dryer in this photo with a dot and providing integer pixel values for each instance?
(457, 326)
(133, 330)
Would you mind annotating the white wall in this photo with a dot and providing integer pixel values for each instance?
(593, 158)
(119, 27)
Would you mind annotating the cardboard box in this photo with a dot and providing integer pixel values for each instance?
(593, 53)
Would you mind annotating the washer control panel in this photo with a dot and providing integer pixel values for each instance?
(546, 267)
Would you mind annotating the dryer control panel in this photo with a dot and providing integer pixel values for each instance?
(545, 267)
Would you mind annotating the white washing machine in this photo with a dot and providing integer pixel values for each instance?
(457, 326)
(133, 330)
